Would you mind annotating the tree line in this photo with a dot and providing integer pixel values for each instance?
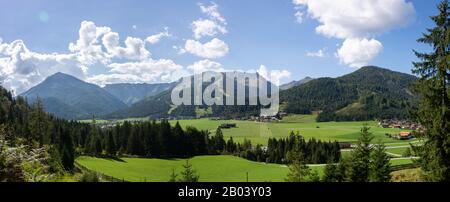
(366, 163)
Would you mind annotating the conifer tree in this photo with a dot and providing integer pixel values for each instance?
(67, 151)
(189, 174)
(331, 173)
(219, 142)
(380, 167)
(434, 88)
(110, 147)
(359, 168)
(298, 170)
(173, 176)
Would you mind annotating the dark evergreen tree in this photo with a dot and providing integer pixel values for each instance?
(434, 88)
(67, 151)
(331, 173)
(218, 141)
(110, 146)
(380, 167)
(189, 174)
(298, 170)
(173, 176)
(360, 159)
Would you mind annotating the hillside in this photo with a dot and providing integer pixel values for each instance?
(160, 106)
(366, 94)
(133, 93)
(68, 97)
(295, 83)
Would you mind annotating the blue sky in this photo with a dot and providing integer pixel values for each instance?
(254, 32)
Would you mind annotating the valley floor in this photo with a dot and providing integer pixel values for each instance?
(210, 168)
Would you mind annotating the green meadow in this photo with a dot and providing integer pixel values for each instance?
(210, 168)
(306, 125)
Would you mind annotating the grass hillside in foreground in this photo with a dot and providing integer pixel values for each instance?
(210, 168)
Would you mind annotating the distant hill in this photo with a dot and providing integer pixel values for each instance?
(368, 93)
(295, 83)
(133, 93)
(160, 106)
(68, 97)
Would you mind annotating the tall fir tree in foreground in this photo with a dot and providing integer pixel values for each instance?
(331, 173)
(380, 167)
(433, 87)
(360, 158)
(298, 170)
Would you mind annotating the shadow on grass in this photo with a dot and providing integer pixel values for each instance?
(114, 158)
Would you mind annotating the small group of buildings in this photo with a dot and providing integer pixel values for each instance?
(275, 118)
(401, 124)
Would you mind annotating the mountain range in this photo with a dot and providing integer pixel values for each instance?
(368, 93)
(68, 97)
(133, 93)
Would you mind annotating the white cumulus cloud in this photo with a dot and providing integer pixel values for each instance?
(274, 76)
(134, 47)
(205, 27)
(357, 52)
(213, 12)
(357, 22)
(216, 48)
(21, 68)
(87, 47)
(216, 24)
(153, 39)
(358, 18)
(320, 53)
(299, 17)
(206, 66)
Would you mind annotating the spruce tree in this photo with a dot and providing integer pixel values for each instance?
(219, 142)
(331, 173)
(189, 174)
(298, 170)
(67, 151)
(110, 147)
(173, 176)
(359, 168)
(380, 167)
(433, 86)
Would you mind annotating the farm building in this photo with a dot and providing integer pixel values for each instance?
(404, 136)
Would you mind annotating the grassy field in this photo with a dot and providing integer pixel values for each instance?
(398, 151)
(258, 132)
(210, 168)
(401, 161)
